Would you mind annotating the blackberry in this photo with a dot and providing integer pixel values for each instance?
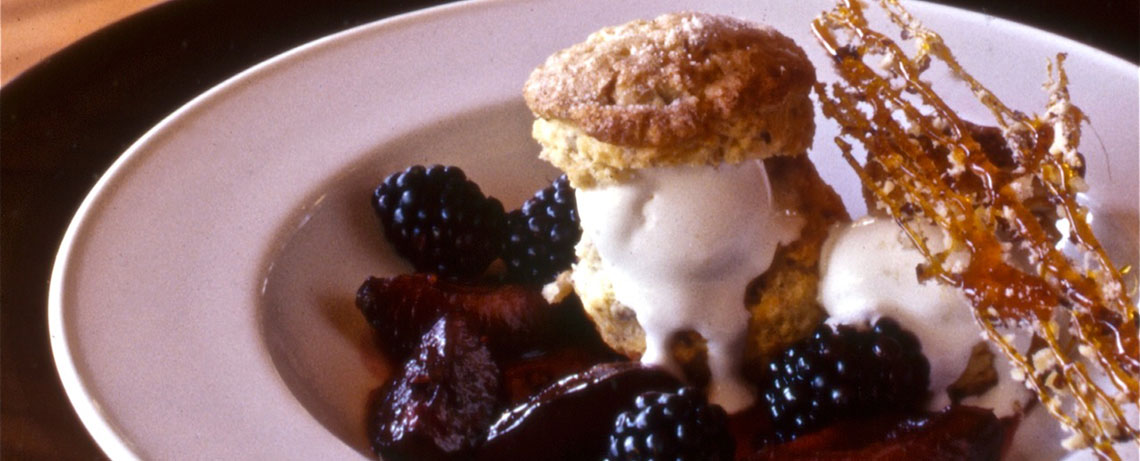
(844, 374)
(680, 425)
(541, 235)
(440, 221)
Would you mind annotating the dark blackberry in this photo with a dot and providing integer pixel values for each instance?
(844, 374)
(440, 221)
(680, 425)
(541, 235)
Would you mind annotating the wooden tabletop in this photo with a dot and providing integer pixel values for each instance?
(66, 115)
(32, 30)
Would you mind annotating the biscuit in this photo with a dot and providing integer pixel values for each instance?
(684, 88)
(690, 89)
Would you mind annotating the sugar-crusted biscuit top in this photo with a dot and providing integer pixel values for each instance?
(677, 79)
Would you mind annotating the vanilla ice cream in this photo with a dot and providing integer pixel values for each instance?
(680, 245)
(869, 271)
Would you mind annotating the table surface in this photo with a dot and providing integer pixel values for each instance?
(64, 119)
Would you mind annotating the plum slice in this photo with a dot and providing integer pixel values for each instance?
(958, 433)
(515, 319)
(443, 400)
(403, 307)
(527, 375)
(570, 419)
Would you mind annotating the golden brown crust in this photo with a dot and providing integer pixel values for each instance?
(680, 79)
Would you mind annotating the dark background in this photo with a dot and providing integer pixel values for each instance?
(64, 121)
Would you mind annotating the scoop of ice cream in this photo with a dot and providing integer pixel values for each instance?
(781, 301)
(671, 243)
(868, 271)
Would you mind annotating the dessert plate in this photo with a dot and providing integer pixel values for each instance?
(201, 304)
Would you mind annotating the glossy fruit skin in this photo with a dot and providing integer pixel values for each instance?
(402, 308)
(541, 235)
(843, 374)
(671, 425)
(959, 433)
(514, 319)
(569, 419)
(440, 221)
(528, 374)
(439, 405)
